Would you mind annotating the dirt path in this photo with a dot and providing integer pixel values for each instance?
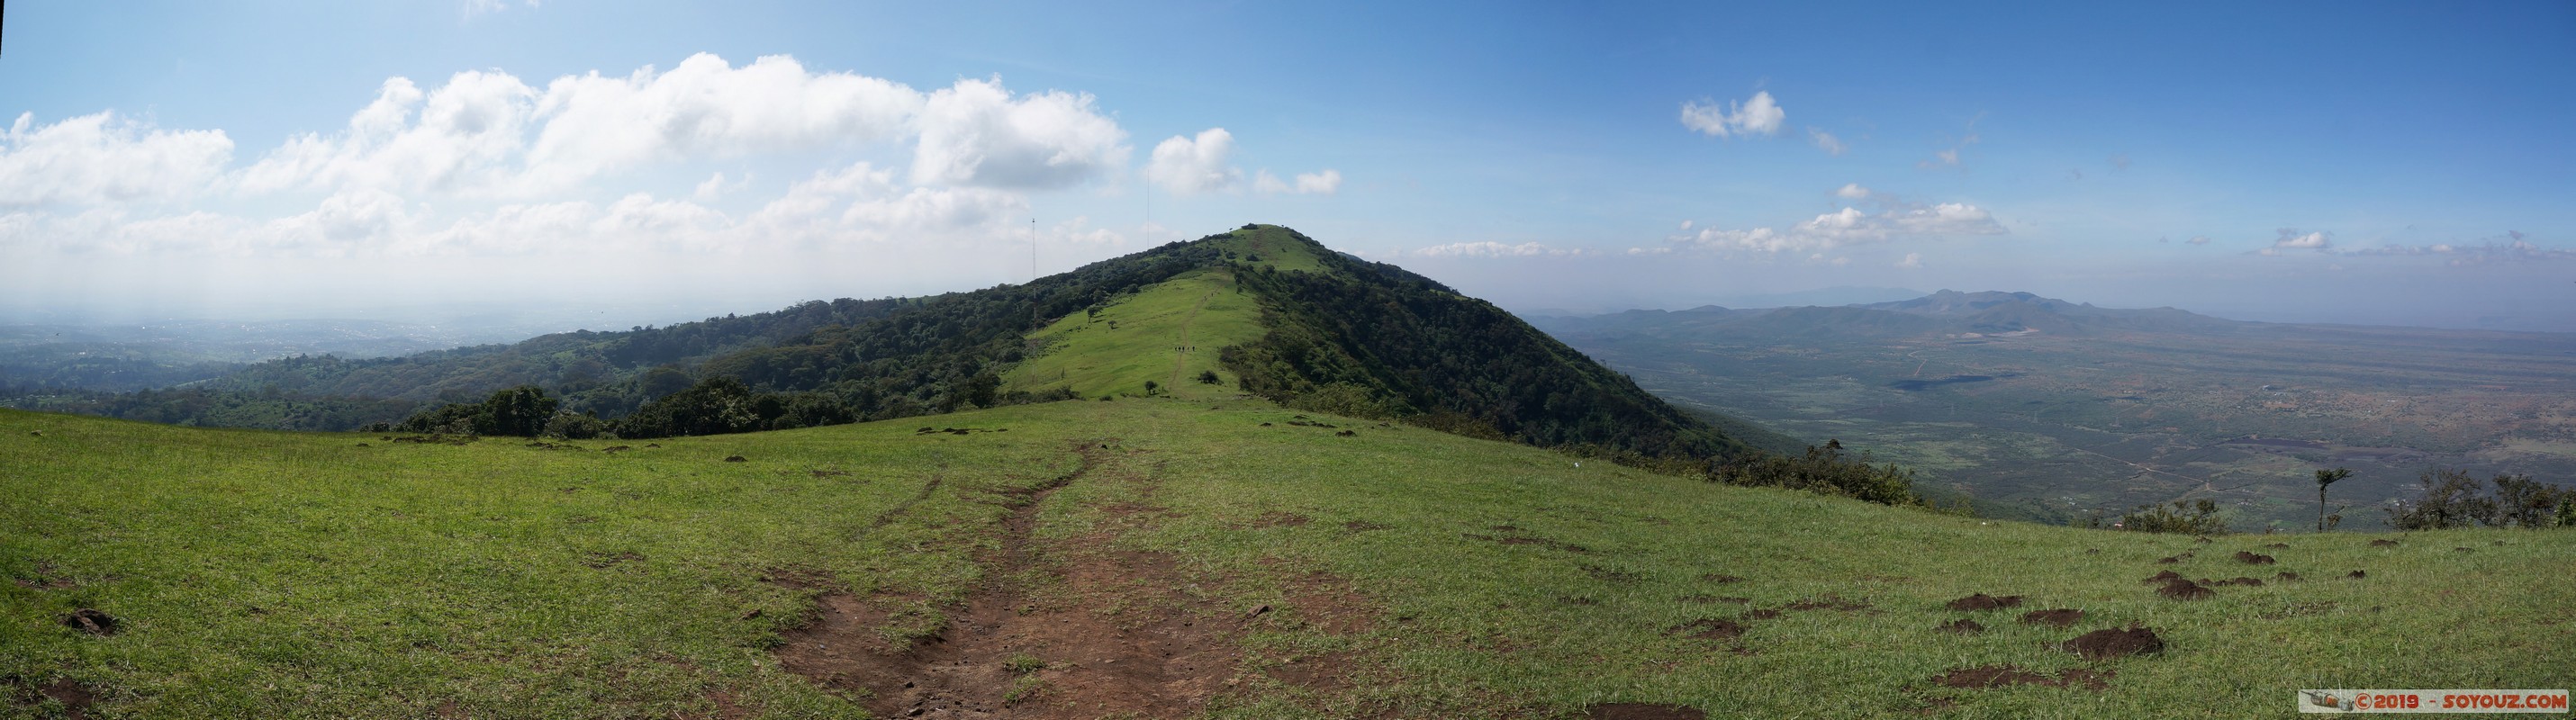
(1057, 630)
(1184, 350)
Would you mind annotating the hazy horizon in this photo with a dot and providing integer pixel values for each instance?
(2383, 164)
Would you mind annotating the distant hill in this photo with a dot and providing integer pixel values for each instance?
(1944, 313)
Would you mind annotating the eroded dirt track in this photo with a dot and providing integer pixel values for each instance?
(1074, 629)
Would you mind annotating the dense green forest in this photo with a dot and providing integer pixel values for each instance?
(1414, 346)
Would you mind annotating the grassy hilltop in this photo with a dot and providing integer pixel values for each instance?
(1156, 557)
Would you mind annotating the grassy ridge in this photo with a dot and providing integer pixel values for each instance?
(1167, 333)
(298, 575)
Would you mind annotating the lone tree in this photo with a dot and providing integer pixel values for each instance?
(2324, 478)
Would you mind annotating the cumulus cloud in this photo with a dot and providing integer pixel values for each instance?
(459, 137)
(1911, 261)
(706, 108)
(490, 134)
(976, 133)
(1757, 116)
(1493, 249)
(1192, 165)
(103, 158)
(1885, 218)
(2292, 239)
(1323, 183)
(1826, 141)
(2197, 240)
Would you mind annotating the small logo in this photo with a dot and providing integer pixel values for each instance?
(2326, 701)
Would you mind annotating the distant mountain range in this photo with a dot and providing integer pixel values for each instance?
(1948, 312)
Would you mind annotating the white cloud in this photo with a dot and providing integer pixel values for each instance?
(2197, 240)
(1891, 219)
(1328, 182)
(2292, 239)
(1949, 157)
(706, 108)
(1188, 166)
(1493, 249)
(1323, 183)
(976, 133)
(488, 134)
(1826, 141)
(716, 187)
(1078, 231)
(1911, 261)
(1758, 116)
(104, 158)
(459, 137)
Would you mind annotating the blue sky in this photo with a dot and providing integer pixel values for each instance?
(2341, 162)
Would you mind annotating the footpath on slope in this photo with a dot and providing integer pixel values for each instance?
(1068, 629)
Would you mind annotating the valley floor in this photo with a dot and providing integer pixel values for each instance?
(1153, 558)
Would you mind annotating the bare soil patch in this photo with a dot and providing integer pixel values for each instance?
(1708, 629)
(1982, 601)
(1994, 676)
(1642, 711)
(1828, 602)
(1360, 526)
(1962, 626)
(92, 621)
(2252, 558)
(2181, 589)
(2106, 644)
(75, 698)
(1071, 630)
(2058, 618)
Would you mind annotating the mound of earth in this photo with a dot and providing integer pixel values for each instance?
(2253, 559)
(2180, 589)
(1961, 626)
(2105, 644)
(1982, 601)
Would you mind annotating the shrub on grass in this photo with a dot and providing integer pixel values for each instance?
(2188, 517)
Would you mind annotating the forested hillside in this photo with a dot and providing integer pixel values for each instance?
(1335, 333)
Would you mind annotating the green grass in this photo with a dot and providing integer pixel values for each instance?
(298, 575)
(1273, 245)
(1167, 333)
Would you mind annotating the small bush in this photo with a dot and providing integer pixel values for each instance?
(1826, 471)
(1208, 377)
(2188, 517)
